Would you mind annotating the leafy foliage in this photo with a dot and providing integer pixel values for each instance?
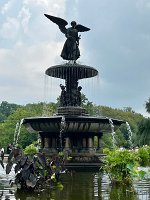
(143, 133)
(7, 109)
(30, 150)
(32, 170)
(121, 165)
(144, 156)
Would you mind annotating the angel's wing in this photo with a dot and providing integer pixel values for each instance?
(59, 21)
(82, 28)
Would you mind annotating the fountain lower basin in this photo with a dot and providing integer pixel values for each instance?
(76, 138)
(74, 124)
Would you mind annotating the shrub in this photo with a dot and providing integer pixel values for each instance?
(144, 156)
(30, 150)
(121, 166)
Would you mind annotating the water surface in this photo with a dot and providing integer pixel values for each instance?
(79, 186)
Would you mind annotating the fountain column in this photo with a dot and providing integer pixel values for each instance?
(84, 144)
(79, 144)
(46, 142)
(90, 144)
(99, 143)
(53, 143)
(67, 143)
(42, 142)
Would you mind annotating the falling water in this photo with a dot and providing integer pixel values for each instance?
(46, 89)
(129, 134)
(88, 89)
(62, 129)
(38, 142)
(112, 132)
(17, 131)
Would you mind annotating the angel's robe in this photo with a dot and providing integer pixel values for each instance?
(70, 49)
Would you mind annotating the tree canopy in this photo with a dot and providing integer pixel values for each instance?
(147, 105)
(7, 109)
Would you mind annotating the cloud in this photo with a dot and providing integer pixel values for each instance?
(36, 2)
(9, 28)
(54, 7)
(27, 16)
(6, 7)
(24, 16)
(118, 45)
(33, 50)
(23, 70)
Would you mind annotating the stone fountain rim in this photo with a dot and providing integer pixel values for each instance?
(74, 117)
(52, 124)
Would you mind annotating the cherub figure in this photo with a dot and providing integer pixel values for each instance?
(70, 50)
(62, 96)
(78, 97)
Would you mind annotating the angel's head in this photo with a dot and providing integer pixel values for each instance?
(73, 24)
(79, 88)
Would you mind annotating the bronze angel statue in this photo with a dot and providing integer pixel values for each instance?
(70, 50)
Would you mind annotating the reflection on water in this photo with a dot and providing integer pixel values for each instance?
(6, 192)
(143, 189)
(117, 192)
(79, 186)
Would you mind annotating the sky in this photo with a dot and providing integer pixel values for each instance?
(118, 46)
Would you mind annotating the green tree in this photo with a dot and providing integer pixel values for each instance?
(7, 128)
(128, 109)
(7, 109)
(143, 133)
(147, 105)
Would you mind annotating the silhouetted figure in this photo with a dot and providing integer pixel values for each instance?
(74, 94)
(2, 153)
(62, 96)
(9, 149)
(2, 157)
(71, 47)
(78, 100)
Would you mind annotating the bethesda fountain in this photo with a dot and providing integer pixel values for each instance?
(71, 129)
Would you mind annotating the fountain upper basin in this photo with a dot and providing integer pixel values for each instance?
(68, 70)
